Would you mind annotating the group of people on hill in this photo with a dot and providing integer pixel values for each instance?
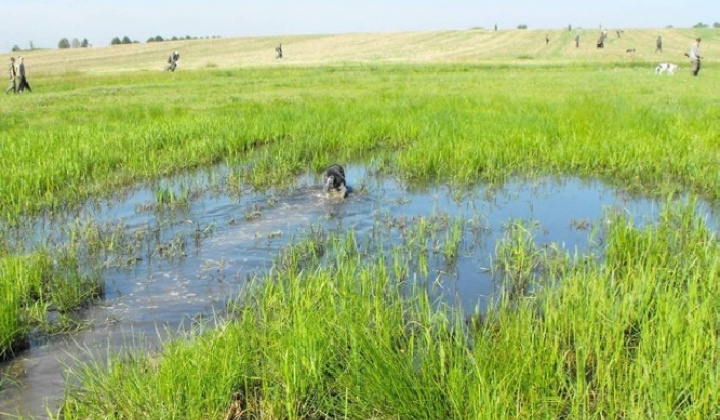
(19, 83)
(174, 58)
(693, 54)
(18, 79)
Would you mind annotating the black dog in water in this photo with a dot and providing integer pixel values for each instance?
(334, 179)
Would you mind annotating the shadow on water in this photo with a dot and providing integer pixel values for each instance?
(194, 253)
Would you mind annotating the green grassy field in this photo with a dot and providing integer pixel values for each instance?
(633, 335)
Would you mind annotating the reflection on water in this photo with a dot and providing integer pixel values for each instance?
(204, 251)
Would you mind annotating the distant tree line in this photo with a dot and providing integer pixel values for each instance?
(124, 40)
(75, 43)
(16, 48)
(157, 38)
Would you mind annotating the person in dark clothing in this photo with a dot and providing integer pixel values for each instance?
(278, 50)
(13, 77)
(658, 44)
(577, 41)
(601, 41)
(173, 60)
(23, 80)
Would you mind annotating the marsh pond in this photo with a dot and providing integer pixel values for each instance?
(185, 246)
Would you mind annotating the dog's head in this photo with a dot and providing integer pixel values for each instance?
(329, 183)
(334, 177)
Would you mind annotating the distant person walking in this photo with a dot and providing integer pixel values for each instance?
(547, 39)
(601, 40)
(658, 44)
(577, 41)
(173, 61)
(23, 80)
(13, 77)
(694, 55)
(278, 50)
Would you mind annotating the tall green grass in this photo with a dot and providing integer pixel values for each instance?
(482, 123)
(12, 289)
(631, 336)
(21, 283)
(40, 292)
(81, 137)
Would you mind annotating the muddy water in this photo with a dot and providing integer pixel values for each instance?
(220, 240)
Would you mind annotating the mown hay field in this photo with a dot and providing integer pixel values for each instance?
(467, 46)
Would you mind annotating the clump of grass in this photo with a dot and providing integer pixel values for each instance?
(70, 289)
(42, 292)
(168, 196)
(518, 257)
(33, 288)
(523, 265)
(175, 248)
(453, 241)
(14, 287)
(304, 254)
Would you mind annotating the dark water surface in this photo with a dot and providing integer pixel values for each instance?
(200, 255)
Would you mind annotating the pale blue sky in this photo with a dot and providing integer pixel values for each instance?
(45, 22)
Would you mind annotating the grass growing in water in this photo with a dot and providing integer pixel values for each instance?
(633, 336)
(38, 292)
(651, 135)
(459, 124)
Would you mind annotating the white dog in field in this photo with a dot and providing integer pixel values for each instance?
(666, 67)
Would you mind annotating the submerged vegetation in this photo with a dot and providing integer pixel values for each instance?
(344, 326)
(334, 331)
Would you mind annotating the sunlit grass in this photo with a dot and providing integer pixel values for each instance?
(87, 136)
(630, 336)
(652, 135)
(39, 292)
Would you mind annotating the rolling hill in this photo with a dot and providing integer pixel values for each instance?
(463, 46)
